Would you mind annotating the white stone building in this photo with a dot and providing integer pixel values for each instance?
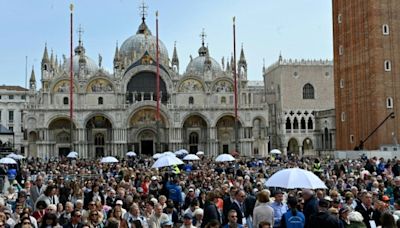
(116, 111)
(12, 102)
(295, 90)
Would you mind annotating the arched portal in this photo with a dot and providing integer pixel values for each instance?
(307, 146)
(145, 119)
(99, 136)
(195, 133)
(32, 148)
(226, 134)
(293, 146)
(60, 133)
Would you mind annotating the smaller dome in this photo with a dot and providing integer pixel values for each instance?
(90, 66)
(198, 66)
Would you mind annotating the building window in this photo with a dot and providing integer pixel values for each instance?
(310, 124)
(223, 100)
(23, 97)
(351, 138)
(339, 18)
(100, 100)
(389, 102)
(11, 116)
(341, 50)
(385, 29)
(341, 83)
(288, 124)
(65, 100)
(11, 97)
(308, 91)
(343, 116)
(191, 100)
(11, 128)
(388, 65)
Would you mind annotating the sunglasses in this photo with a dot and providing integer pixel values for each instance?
(94, 214)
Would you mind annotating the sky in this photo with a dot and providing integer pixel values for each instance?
(298, 29)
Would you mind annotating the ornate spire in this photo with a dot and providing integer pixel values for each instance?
(52, 58)
(203, 51)
(280, 57)
(242, 59)
(45, 58)
(80, 49)
(143, 29)
(263, 66)
(32, 80)
(175, 59)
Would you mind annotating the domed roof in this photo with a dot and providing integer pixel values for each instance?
(90, 64)
(135, 46)
(197, 65)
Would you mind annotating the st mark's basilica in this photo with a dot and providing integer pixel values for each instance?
(115, 112)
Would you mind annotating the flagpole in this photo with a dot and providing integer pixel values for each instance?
(235, 89)
(157, 89)
(71, 76)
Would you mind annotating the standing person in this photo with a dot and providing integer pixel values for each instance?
(279, 207)
(263, 212)
(323, 218)
(175, 192)
(238, 206)
(228, 201)
(293, 218)
(134, 219)
(66, 215)
(232, 220)
(37, 189)
(187, 221)
(157, 217)
(310, 205)
(344, 216)
(210, 210)
(75, 220)
(369, 214)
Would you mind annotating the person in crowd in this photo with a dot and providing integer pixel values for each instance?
(187, 221)
(263, 212)
(279, 208)
(293, 218)
(210, 209)
(323, 218)
(233, 220)
(75, 220)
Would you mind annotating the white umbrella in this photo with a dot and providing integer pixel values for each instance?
(199, 153)
(184, 151)
(157, 156)
(191, 157)
(295, 178)
(72, 154)
(131, 154)
(15, 156)
(169, 153)
(275, 151)
(166, 161)
(109, 159)
(224, 158)
(178, 152)
(7, 161)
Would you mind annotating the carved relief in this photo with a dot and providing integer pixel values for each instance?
(62, 87)
(223, 87)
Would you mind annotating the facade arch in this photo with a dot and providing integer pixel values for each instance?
(195, 125)
(293, 146)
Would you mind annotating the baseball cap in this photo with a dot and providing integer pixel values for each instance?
(188, 216)
(153, 178)
(344, 210)
(119, 202)
(385, 198)
(191, 190)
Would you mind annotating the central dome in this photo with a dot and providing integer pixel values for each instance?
(135, 46)
(89, 64)
(203, 62)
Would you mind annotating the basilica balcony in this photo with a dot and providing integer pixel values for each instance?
(132, 98)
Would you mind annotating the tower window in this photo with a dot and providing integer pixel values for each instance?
(65, 100)
(191, 100)
(351, 138)
(388, 65)
(389, 102)
(308, 91)
(341, 83)
(341, 50)
(100, 100)
(385, 29)
(343, 116)
(339, 18)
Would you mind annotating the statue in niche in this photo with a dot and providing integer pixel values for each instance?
(222, 87)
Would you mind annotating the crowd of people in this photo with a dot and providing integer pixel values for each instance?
(200, 194)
